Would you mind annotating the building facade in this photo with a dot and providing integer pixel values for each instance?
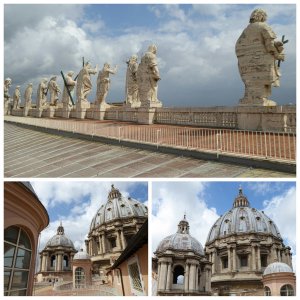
(240, 245)
(113, 226)
(24, 218)
(182, 267)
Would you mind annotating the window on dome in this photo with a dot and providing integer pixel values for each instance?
(264, 260)
(112, 243)
(224, 262)
(243, 260)
(17, 258)
(66, 262)
(178, 275)
(287, 290)
(267, 291)
(53, 261)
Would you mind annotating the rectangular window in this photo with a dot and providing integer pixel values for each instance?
(264, 260)
(135, 277)
(244, 260)
(225, 262)
(112, 243)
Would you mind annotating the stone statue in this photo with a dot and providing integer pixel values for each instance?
(28, 95)
(131, 82)
(66, 100)
(16, 97)
(258, 54)
(103, 83)
(7, 98)
(84, 83)
(54, 90)
(41, 99)
(147, 78)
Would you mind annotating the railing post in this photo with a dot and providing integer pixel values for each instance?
(119, 133)
(266, 148)
(157, 137)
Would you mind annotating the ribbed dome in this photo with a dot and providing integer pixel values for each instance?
(117, 207)
(60, 240)
(277, 267)
(181, 240)
(81, 255)
(242, 219)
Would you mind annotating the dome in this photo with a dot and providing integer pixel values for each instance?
(118, 207)
(81, 255)
(242, 219)
(181, 240)
(60, 240)
(277, 267)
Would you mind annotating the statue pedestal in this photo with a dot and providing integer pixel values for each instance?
(38, 112)
(256, 102)
(66, 112)
(26, 110)
(49, 112)
(132, 105)
(98, 112)
(145, 115)
(81, 108)
(17, 112)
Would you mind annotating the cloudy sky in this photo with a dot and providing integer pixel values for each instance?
(195, 46)
(76, 202)
(205, 202)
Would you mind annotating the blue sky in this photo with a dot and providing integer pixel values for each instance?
(204, 202)
(76, 202)
(195, 44)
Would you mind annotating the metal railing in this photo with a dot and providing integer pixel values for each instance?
(276, 146)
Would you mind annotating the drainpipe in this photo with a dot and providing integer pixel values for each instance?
(121, 280)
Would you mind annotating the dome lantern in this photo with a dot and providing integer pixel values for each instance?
(241, 200)
(183, 226)
(114, 193)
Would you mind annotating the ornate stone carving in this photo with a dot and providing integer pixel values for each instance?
(147, 79)
(41, 100)
(132, 98)
(70, 82)
(103, 83)
(54, 90)
(84, 83)
(7, 98)
(16, 97)
(258, 54)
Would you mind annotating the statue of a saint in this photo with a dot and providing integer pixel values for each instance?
(258, 54)
(28, 95)
(148, 77)
(131, 82)
(54, 90)
(84, 83)
(7, 98)
(103, 83)
(70, 82)
(41, 99)
(16, 97)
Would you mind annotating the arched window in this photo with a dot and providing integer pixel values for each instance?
(267, 291)
(287, 290)
(79, 278)
(17, 257)
(66, 262)
(178, 275)
(53, 262)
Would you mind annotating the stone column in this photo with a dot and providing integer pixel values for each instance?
(234, 259)
(253, 257)
(229, 259)
(186, 277)
(103, 243)
(197, 279)
(118, 241)
(123, 240)
(258, 259)
(169, 277)
(100, 245)
(213, 260)
(207, 280)
(162, 278)
(158, 272)
(42, 266)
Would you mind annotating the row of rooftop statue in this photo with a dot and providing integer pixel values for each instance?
(259, 57)
(141, 86)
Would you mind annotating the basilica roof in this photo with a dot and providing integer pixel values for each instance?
(242, 219)
(60, 239)
(118, 207)
(277, 267)
(181, 240)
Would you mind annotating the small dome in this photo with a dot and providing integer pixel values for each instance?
(181, 240)
(277, 267)
(81, 255)
(242, 219)
(118, 207)
(60, 240)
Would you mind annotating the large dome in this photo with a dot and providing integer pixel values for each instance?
(118, 207)
(60, 240)
(277, 267)
(242, 219)
(181, 240)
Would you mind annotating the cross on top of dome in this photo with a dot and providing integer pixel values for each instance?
(241, 200)
(114, 193)
(183, 226)
(60, 229)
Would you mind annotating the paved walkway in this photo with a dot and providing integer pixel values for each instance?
(29, 153)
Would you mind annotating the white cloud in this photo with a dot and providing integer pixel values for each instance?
(171, 200)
